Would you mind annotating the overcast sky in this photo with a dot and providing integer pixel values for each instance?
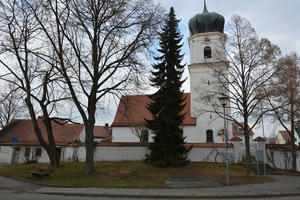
(277, 20)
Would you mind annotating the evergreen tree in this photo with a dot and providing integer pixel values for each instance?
(167, 103)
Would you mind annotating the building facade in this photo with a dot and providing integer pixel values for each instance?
(203, 122)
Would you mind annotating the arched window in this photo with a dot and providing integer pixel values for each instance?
(209, 136)
(207, 52)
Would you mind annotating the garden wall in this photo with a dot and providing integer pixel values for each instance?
(280, 156)
(137, 151)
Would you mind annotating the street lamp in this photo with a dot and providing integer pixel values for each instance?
(224, 101)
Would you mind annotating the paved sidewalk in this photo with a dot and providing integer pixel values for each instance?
(285, 186)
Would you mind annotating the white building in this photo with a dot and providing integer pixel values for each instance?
(201, 124)
(19, 135)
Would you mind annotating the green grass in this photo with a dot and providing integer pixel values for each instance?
(132, 174)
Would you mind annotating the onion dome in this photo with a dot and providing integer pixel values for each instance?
(206, 22)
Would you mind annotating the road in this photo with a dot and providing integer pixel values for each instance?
(15, 195)
(18, 190)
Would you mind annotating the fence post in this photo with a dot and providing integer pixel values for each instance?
(260, 155)
(237, 149)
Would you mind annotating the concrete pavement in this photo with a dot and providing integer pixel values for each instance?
(285, 186)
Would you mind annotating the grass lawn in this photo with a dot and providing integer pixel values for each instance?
(132, 174)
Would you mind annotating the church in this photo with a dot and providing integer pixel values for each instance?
(201, 124)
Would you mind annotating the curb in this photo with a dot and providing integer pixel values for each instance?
(174, 197)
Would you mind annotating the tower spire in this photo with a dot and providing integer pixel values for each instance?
(205, 8)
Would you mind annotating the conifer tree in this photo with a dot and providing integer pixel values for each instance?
(167, 103)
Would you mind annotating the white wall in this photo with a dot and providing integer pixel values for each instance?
(5, 154)
(123, 134)
(120, 153)
(81, 137)
(282, 158)
(193, 134)
(298, 161)
(197, 44)
(137, 153)
(210, 155)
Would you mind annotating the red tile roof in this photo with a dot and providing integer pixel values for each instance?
(23, 129)
(281, 146)
(102, 132)
(286, 136)
(208, 145)
(235, 127)
(195, 145)
(132, 110)
(259, 139)
(235, 138)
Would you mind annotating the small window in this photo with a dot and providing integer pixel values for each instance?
(207, 52)
(27, 151)
(38, 152)
(209, 136)
(239, 129)
(208, 82)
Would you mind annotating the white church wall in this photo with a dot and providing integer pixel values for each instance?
(191, 134)
(216, 43)
(123, 134)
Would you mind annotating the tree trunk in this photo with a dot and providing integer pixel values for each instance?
(52, 153)
(50, 149)
(294, 156)
(247, 147)
(89, 146)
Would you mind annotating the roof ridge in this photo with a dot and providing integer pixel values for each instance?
(130, 95)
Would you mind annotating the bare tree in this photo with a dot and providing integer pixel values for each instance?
(284, 96)
(141, 132)
(36, 78)
(99, 48)
(11, 104)
(249, 68)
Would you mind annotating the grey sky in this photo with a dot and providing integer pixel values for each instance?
(277, 20)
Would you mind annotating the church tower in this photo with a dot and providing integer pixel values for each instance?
(207, 55)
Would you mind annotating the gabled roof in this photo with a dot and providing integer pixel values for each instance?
(236, 131)
(132, 110)
(259, 139)
(286, 136)
(101, 132)
(235, 139)
(63, 134)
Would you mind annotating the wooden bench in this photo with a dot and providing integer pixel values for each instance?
(42, 172)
